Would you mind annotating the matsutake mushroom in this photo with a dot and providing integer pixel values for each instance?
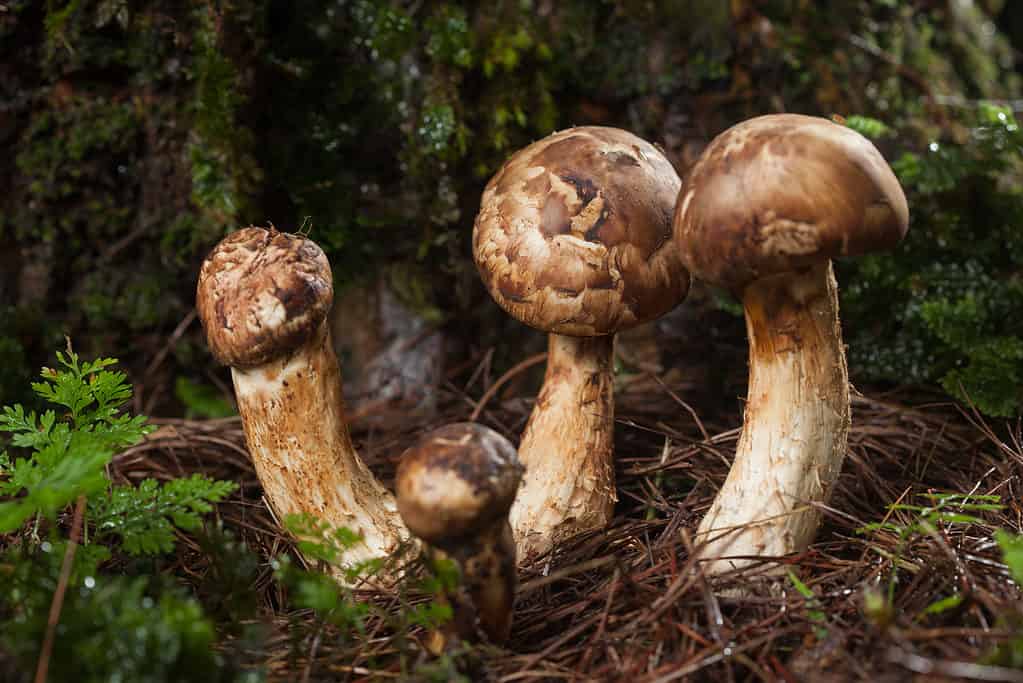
(454, 489)
(263, 298)
(574, 238)
(762, 212)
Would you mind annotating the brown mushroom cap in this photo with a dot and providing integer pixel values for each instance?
(574, 233)
(261, 294)
(456, 481)
(778, 192)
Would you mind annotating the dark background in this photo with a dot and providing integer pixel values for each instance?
(136, 134)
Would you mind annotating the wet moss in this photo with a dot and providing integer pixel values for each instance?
(142, 132)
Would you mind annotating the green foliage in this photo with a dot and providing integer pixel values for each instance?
(933, 520)
(221, 162)
(337, 604)
(142, 131)
(1010, 653)
(68, 454)
(812, 606)
(201, 400)
(69, 451)
(144, 517)
(64, 154)
(944, 604)
(1012, 553)
(868, 127)
(942, 509)
(449, 40)
(947, 301)
(448, 89)
(443, 578)
(111, 628)
(320, 592)
(319, 541)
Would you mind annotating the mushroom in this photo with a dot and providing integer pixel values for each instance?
(263, 298)
(454, 489)
(574, 238)
(762, 212)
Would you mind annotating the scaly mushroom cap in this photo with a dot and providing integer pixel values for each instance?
(779, 192)
(261, 294)
(456, 481)
(574, 233)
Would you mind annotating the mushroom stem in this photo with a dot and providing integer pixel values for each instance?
(796, 425)
(294, 418)
(485, 598)
(567, 447)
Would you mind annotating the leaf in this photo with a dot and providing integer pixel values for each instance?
(867, 127)
(322, 594)
(944, 604)
(430, 615)
(49, 490)
(201, 400)
(815, 615)
(144, 517)
(69, 454)
(1012, 553)
(319, 540)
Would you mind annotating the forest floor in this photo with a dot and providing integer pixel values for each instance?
(923, 594)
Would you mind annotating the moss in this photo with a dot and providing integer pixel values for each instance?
(375, 124)
(946, 303)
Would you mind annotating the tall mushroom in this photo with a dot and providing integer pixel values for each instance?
(263, 298)
(762, 212)
(574, 237)
(454, 489)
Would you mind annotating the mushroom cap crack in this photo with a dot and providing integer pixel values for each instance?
(779, 192)
(574, 233)
(261, 294)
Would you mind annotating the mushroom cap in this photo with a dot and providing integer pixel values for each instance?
(456, 481)
(261, 294)
(574, 233)
(776, 193)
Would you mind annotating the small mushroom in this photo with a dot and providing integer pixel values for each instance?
(574, 237)
(454, 489)
(263, 298)
(762, 212)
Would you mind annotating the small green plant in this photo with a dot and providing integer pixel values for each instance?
(1010, 653)
(319, 542)
(926, 520)
(946, 298)
(931, 520)
(137, 628)
(942, 508)
(69, 451)
(1012, 553)
(423, 596)
(813, 607)
(201, 400)
(69, 447)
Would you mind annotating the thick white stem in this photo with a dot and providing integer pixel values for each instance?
(294, 419)
(567, 447)
(796, 425)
